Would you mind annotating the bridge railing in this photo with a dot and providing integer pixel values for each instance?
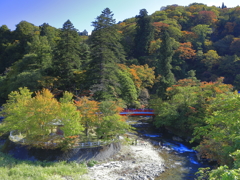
(138, 112)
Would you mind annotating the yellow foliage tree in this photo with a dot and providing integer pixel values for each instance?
(38, 117)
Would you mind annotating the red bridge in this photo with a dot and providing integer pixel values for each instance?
(137, 112)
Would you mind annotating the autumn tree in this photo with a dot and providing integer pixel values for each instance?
(185, 51)
(158, 28)
(143, 75)
(183, 59)
(89, 114)
(36, 117)
(188, 36)
(205, 17)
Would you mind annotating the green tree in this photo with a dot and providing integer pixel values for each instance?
(85, 55)
(67, 56)
(40, 51)
(220, 136)
(235, 45)
(223, 45)
(24, 33)
(36, 117)
(5, 39)
(202, 31)
(186, 108)
(228, 66)
(128, 30)
(112, 124)
(211, 58)
(128, 89)
(164, 67)
(144, 35)
(183, 110)
(51, 33)
(28, 71)
(106, 52)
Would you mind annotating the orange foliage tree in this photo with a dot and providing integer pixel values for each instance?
(89, 113)
(188, 36)
(206, 17)
(143, 73)
(186, 51)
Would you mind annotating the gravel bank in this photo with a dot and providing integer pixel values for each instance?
(133, 162)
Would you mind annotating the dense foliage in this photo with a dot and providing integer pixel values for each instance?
(186, 57)
(43, 121)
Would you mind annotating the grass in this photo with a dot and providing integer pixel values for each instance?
(12, 169)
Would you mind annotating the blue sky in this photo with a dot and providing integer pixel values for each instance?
(82, 12)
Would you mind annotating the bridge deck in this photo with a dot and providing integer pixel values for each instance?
(137, 112)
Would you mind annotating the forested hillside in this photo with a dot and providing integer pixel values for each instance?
(183, 61)
(172, 42)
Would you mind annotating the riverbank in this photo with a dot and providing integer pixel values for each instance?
(133, 162)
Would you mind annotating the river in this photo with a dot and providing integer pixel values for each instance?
(180, 159)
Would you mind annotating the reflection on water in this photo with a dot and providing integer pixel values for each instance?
(180, 159)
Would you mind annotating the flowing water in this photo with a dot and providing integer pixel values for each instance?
(180, 159)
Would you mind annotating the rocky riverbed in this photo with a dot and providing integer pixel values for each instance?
(133, 162)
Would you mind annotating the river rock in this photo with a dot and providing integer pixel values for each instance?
(175, 138)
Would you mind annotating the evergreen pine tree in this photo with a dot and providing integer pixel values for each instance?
(51, 33)
(85, 55)
(67, 56)
(106, 52)
(144, 35)
(164, 65)
(5, 38)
